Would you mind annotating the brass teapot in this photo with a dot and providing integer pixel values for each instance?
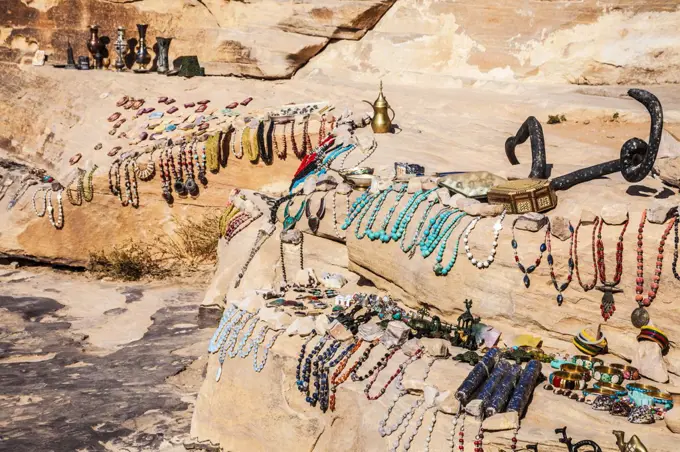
(381, 122)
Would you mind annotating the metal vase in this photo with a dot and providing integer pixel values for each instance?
(120, 46)
(163, 62)
(143, 57)
(94, 46)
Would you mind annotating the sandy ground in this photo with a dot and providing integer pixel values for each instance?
(89, 365)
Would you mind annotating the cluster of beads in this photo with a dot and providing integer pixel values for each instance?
(338, 378)
(259, 366)
(318, 372)
(382, 233)
(608, 311)
(59, 222)
(590, 285)
(436, 231)
(374, 215)
(305, 371)
(379, 366)
(229, 342)
(324, 389)
(398, 372)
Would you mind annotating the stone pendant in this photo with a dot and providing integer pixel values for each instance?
(639, 317)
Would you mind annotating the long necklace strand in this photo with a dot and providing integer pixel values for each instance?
(608, 309)
(570, 264)
(530, 269)
(497, 228)
(590, 285)
(656, 279)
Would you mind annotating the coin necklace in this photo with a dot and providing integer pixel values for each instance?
(570, 263)
(640, 316)
(497, 228)
(88, 188)
(590, 285)
(530, 269)
(607, 307)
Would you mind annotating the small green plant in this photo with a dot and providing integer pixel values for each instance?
(615, 117)
(556, 119)
(130, 262)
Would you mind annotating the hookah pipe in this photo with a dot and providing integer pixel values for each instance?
(637, 156)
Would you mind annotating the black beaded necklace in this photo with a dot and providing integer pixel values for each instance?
(377, 368)
(324, 389)
(298, 373)
(316, 366)
(303, 383)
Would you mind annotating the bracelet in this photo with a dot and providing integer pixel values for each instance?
(588, 345)
(616, 389)
(566, 380)
(629, 372)
(661, 398)
(573, 368)
(654, 335)
(607, 374)
(639, 387)
(586, 361)
(599, 391)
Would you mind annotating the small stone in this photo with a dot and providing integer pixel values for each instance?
(661, 210)
(322, 324)
(586, 121)
(302, 326)
(411, 347)
(436, 348)
(430, 183)
(369, 332)
(649, 361)
(532, 222)
(464, 202)
(306, 278)
(39, 58)
(14, 265)
(669, 146)
(276, 320)
(333, 280)
(453, 200)
(501, 421)
(310, 185)
(484, 210)
(587, 217)
(474, 408)
(430, 393)
(250, 303)
(414, 185)
(673, 420)
(414, 386)
(559, 227)
(343, 188)
(339, 331)
(614, 214)
(396, 333)
(449, 405)
(98, 146)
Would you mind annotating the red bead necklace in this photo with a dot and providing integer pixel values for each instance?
(337, 378)
(607, 307)
(399, 370)
(590, 285)
(640, 316)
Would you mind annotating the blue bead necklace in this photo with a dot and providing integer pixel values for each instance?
(405, 216)
(298, 373)
(433, 232)
(357, 207)
(382, 232)
(318, 365)
(410, 248)
(226, 317)
(303, 383)
(374, 215)
(238, 348)
(443, 270)
(254, 342)
(324, 390)
(229, 344)
(446, 233)
(530, 269)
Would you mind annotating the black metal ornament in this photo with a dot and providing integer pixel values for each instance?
(636, 160)
(314, 219)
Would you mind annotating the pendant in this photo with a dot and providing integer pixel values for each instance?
(639, 317)
(192, 187)
(179, 187)
(313, 223)
(607, 307)
(288, 223)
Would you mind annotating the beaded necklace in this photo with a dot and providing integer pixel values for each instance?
(406, 417)
(227, 345)
(262, 235)
(607, 307)
(301, 357)
(59, 222)
(76, 200)
(246, 145)
(324, 389)
(335, 215)
(238, 152)
(148, 170)
(316, 373)
(419, 423)
(445, 237)
(406, 214)
(530, 269)
(410, 248)
(259, 366)
(114, 178)
(322, 128)
(190, 184)
(591, 285)
(303, 383)
(458, 417)
(338, 377)
(497, 228)
(223, 146)
(224, 325)
(239, 348)
(377, 368)
(306, 141)
(293, 144)
(570, 264)
(437, 230)
(363, 212)
(283, 260)
(640, 316)
(40, 213)
(284, 150)
(19, 193)
(396, 374)
(201, 163)
(374, 215)
(88, 188)
(675, 249)
(357, 207)
(382, 232)
(440, 270)
(178, 173)
(131, 193)
(268, 155)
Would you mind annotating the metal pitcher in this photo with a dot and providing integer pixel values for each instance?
(381, 122)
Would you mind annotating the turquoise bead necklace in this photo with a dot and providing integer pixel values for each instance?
(365, 208)
(405, 216)
(371, 220)
(432, 234)
(443, 270)
(410, 248)
(382, 233)
(444, 236)
(357, 206)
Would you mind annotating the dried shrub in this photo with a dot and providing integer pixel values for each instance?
(556, 119)
(129, 262)
(194, 240)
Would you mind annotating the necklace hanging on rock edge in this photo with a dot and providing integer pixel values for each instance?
(410, 249)
(259, 366)
(20, 192)
(591, 285)
(640, 316)
(675, 248)
(497, 228)
(396, 374)
(338, 377)
(382, 232)
(293, 237)
(262, 235)
(530, 269)
(570, 264)
(76, 200)
(59, 222)
(608, 307)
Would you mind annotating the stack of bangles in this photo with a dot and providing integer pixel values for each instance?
(587, 361)
(649, 395)
(574, 369)
(629, 372)
(567, 380)
(650, 333)
(590, 345)
(615, 389)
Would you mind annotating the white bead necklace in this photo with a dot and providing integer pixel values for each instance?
(42, 212)
(497, 227)
(59, 222)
